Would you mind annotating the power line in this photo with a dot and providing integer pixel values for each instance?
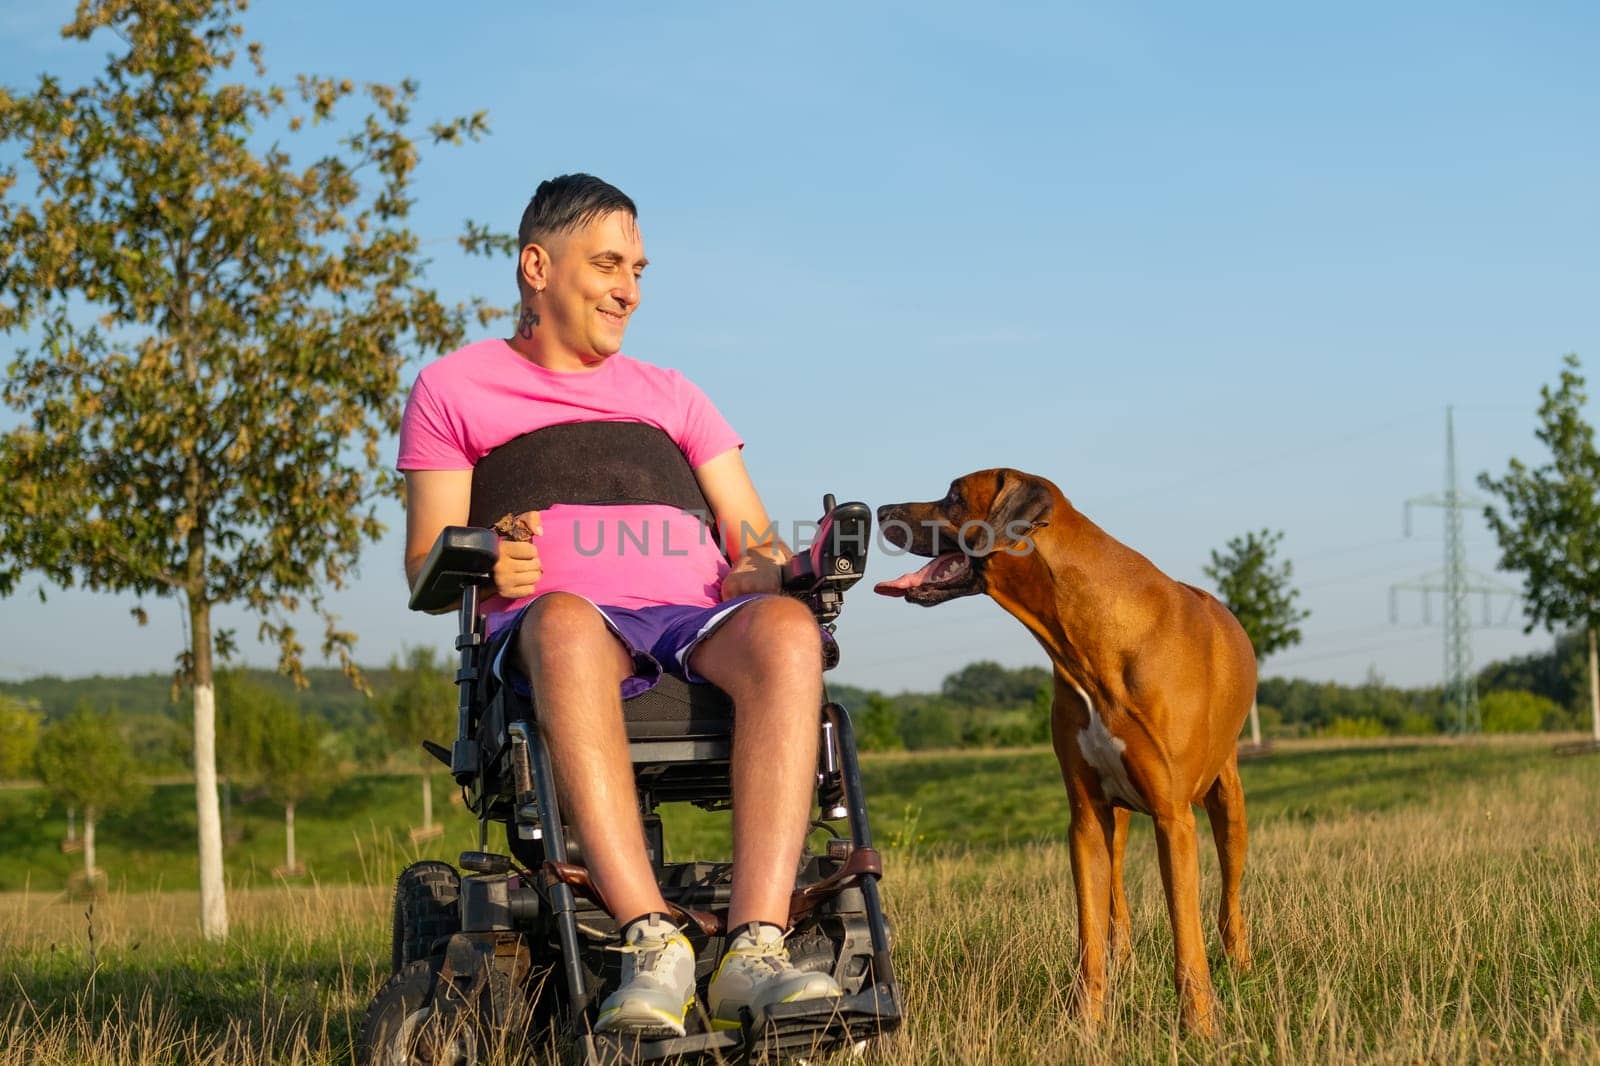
(1382, 571)
(1335, 636)
(1357, 649)
(1263, 460)
(1328, 553)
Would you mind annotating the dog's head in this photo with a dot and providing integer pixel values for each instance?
(985, 517)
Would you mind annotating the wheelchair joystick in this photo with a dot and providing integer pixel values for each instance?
(835, 560)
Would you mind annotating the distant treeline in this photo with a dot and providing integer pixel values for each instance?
(1546, 691)
(986, 705)
(157, 720)
(983, 704)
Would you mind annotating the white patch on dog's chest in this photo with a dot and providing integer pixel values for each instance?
(1103, 750)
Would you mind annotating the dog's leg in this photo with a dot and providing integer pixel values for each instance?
(1180, 874)
(1121, 922)
(1089, 839)
(1225, 806)
(1090, 842)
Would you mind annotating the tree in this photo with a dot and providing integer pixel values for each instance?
(273, 745)
(877, 725)
(1559, 673)
(1550, 526)
(1255, 587)
(83, 759)
(988, 685)
(926, 724)
(299, 766)
(218, 338)
(239, 741)
(19, 736)
(421, 706)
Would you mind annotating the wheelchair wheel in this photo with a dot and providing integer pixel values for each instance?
(403, 1027)
(426, 910)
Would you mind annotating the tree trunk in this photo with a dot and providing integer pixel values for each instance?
(427, 800)
(72, 823)
(288, 825)
(208, 814)
(1255, 724)
(88, 846)
(1594, 686)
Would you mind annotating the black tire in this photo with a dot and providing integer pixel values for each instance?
(426, 910)
(401, 1028)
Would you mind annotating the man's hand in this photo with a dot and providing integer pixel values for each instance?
(518, 570)
(758, 570)
(748, 536)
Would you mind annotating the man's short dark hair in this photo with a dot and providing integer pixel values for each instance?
(567, 204)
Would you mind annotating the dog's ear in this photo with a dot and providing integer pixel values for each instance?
(1021, 505)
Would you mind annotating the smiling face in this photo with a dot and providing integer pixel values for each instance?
(590, 287)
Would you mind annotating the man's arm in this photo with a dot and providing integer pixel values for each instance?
(748, 536)
(439, 498)
(434, 499)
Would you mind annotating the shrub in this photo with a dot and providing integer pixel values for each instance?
(1354, 727)
(1516, 711)
(1418, 725)
(877, 725)
(19, 737)
(930, 725)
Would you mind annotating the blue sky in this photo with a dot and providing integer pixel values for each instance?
(1209, 268)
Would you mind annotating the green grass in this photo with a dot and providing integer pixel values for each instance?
(966, 799)
(357, 834)
(998, 799)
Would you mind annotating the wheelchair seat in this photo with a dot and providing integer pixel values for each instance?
(676, 709)
(680, 739)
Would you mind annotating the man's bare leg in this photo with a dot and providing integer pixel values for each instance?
(768, 658)
(577, 666)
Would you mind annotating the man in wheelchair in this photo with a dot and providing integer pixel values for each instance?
(634, 548)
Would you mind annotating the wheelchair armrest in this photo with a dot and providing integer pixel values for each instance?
(836, 560)
(462, 556)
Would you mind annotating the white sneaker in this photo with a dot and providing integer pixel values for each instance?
(756, 973)
(657, 985)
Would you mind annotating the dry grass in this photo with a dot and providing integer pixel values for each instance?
(289, 986)
(1462, 929)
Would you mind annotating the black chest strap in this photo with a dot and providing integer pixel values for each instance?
(584, 463)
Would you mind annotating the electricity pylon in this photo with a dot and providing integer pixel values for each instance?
(1455, 581)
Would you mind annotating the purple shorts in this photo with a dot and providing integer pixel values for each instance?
(659, 639)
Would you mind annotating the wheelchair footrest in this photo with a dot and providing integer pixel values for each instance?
(821, 1024)
(609, 1049)
(811, 1025)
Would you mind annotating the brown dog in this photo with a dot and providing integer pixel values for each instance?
(1153, 680)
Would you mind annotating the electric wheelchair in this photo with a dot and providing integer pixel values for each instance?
(512, 954)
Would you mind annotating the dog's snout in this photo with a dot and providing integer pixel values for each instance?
(893, 526)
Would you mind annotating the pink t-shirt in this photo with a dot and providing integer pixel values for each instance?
(473, 400)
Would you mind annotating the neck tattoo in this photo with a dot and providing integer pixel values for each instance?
(527, 323)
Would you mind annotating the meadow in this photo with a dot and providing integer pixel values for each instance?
(1409, 901)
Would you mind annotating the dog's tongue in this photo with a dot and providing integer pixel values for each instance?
(900, 585)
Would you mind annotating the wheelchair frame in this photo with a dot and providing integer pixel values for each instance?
(514, 909)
